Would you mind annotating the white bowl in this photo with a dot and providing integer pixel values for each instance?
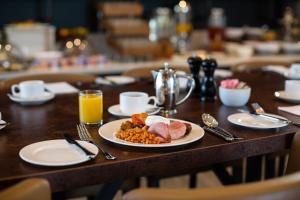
(234, 33)
(243, 51)
(267, 47)
(234, 97)
(290, 48)
(254, 32)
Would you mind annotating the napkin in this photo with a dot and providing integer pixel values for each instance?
(112, 80)
(291, 109)
(61, 88)
(280, 69)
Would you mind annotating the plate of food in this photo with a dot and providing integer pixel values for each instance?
(142, 130)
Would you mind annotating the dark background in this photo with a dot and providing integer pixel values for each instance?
(73, 13)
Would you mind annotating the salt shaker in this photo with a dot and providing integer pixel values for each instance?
(195, 66)
(208, 88)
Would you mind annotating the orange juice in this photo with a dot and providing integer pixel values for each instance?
(91, 107)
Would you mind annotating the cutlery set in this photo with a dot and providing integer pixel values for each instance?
(84, 135)
(211, 124)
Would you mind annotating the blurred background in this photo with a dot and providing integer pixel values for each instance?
(44, 35)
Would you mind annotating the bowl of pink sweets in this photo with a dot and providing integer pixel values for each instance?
(234, 93)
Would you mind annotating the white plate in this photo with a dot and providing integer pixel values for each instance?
(56, 153)
(47, 96)
(108, 131)
(283, 96)
(253, 121)
(115, 110)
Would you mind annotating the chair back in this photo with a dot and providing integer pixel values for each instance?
(57, 77)
(30, 189)
(294, 155)
(287, 188)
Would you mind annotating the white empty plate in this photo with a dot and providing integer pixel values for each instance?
(47, 96)
(56, 153)
(284, 96)
(108, 131)
(253, 121)
(115, 110)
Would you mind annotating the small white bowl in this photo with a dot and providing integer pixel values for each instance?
(234, 97)
(267, 47)
(291, 48)
(234, 33)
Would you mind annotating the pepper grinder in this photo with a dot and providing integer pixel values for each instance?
(195, 65)
(208, 88)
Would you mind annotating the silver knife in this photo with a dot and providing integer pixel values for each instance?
(219, 134)
(71, 140)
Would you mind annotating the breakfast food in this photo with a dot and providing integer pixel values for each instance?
(152, 129)
(233, 84)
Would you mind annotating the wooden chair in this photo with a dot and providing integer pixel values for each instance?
(286, 187)
(30, 189)
(254, 65)
(145, 72)
(70, 78)
(294, 161)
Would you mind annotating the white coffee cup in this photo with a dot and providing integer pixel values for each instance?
(135, 102)
(292, 88)
(28, 89)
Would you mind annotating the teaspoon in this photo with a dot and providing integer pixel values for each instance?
(211, 122)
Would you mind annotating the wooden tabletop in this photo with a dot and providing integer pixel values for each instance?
(51, 120)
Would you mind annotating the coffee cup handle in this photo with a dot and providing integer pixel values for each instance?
(154, 100)
(14, 89)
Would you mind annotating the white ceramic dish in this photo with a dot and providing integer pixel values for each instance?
(267, 47)
(32, 101)
(56, 153)
(253, 121)
(285, 97)
(234, 33)
(115, 110)
(108, 131)
(291, 48)
(234, 97)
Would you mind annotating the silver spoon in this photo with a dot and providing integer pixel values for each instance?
(211, 122)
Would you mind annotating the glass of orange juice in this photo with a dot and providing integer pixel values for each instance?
(91, 107)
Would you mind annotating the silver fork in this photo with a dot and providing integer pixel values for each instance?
(86, 136)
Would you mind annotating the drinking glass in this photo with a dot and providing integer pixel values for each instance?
(91, 107)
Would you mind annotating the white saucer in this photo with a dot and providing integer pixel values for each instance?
(115, 110)
(56, 153)
(254, 121)
(47, 96)
(283, 96)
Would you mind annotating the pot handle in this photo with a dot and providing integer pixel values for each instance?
(189, 77)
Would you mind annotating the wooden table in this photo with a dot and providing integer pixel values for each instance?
(50, 121)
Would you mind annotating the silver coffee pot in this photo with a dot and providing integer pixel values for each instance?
(167, 89)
